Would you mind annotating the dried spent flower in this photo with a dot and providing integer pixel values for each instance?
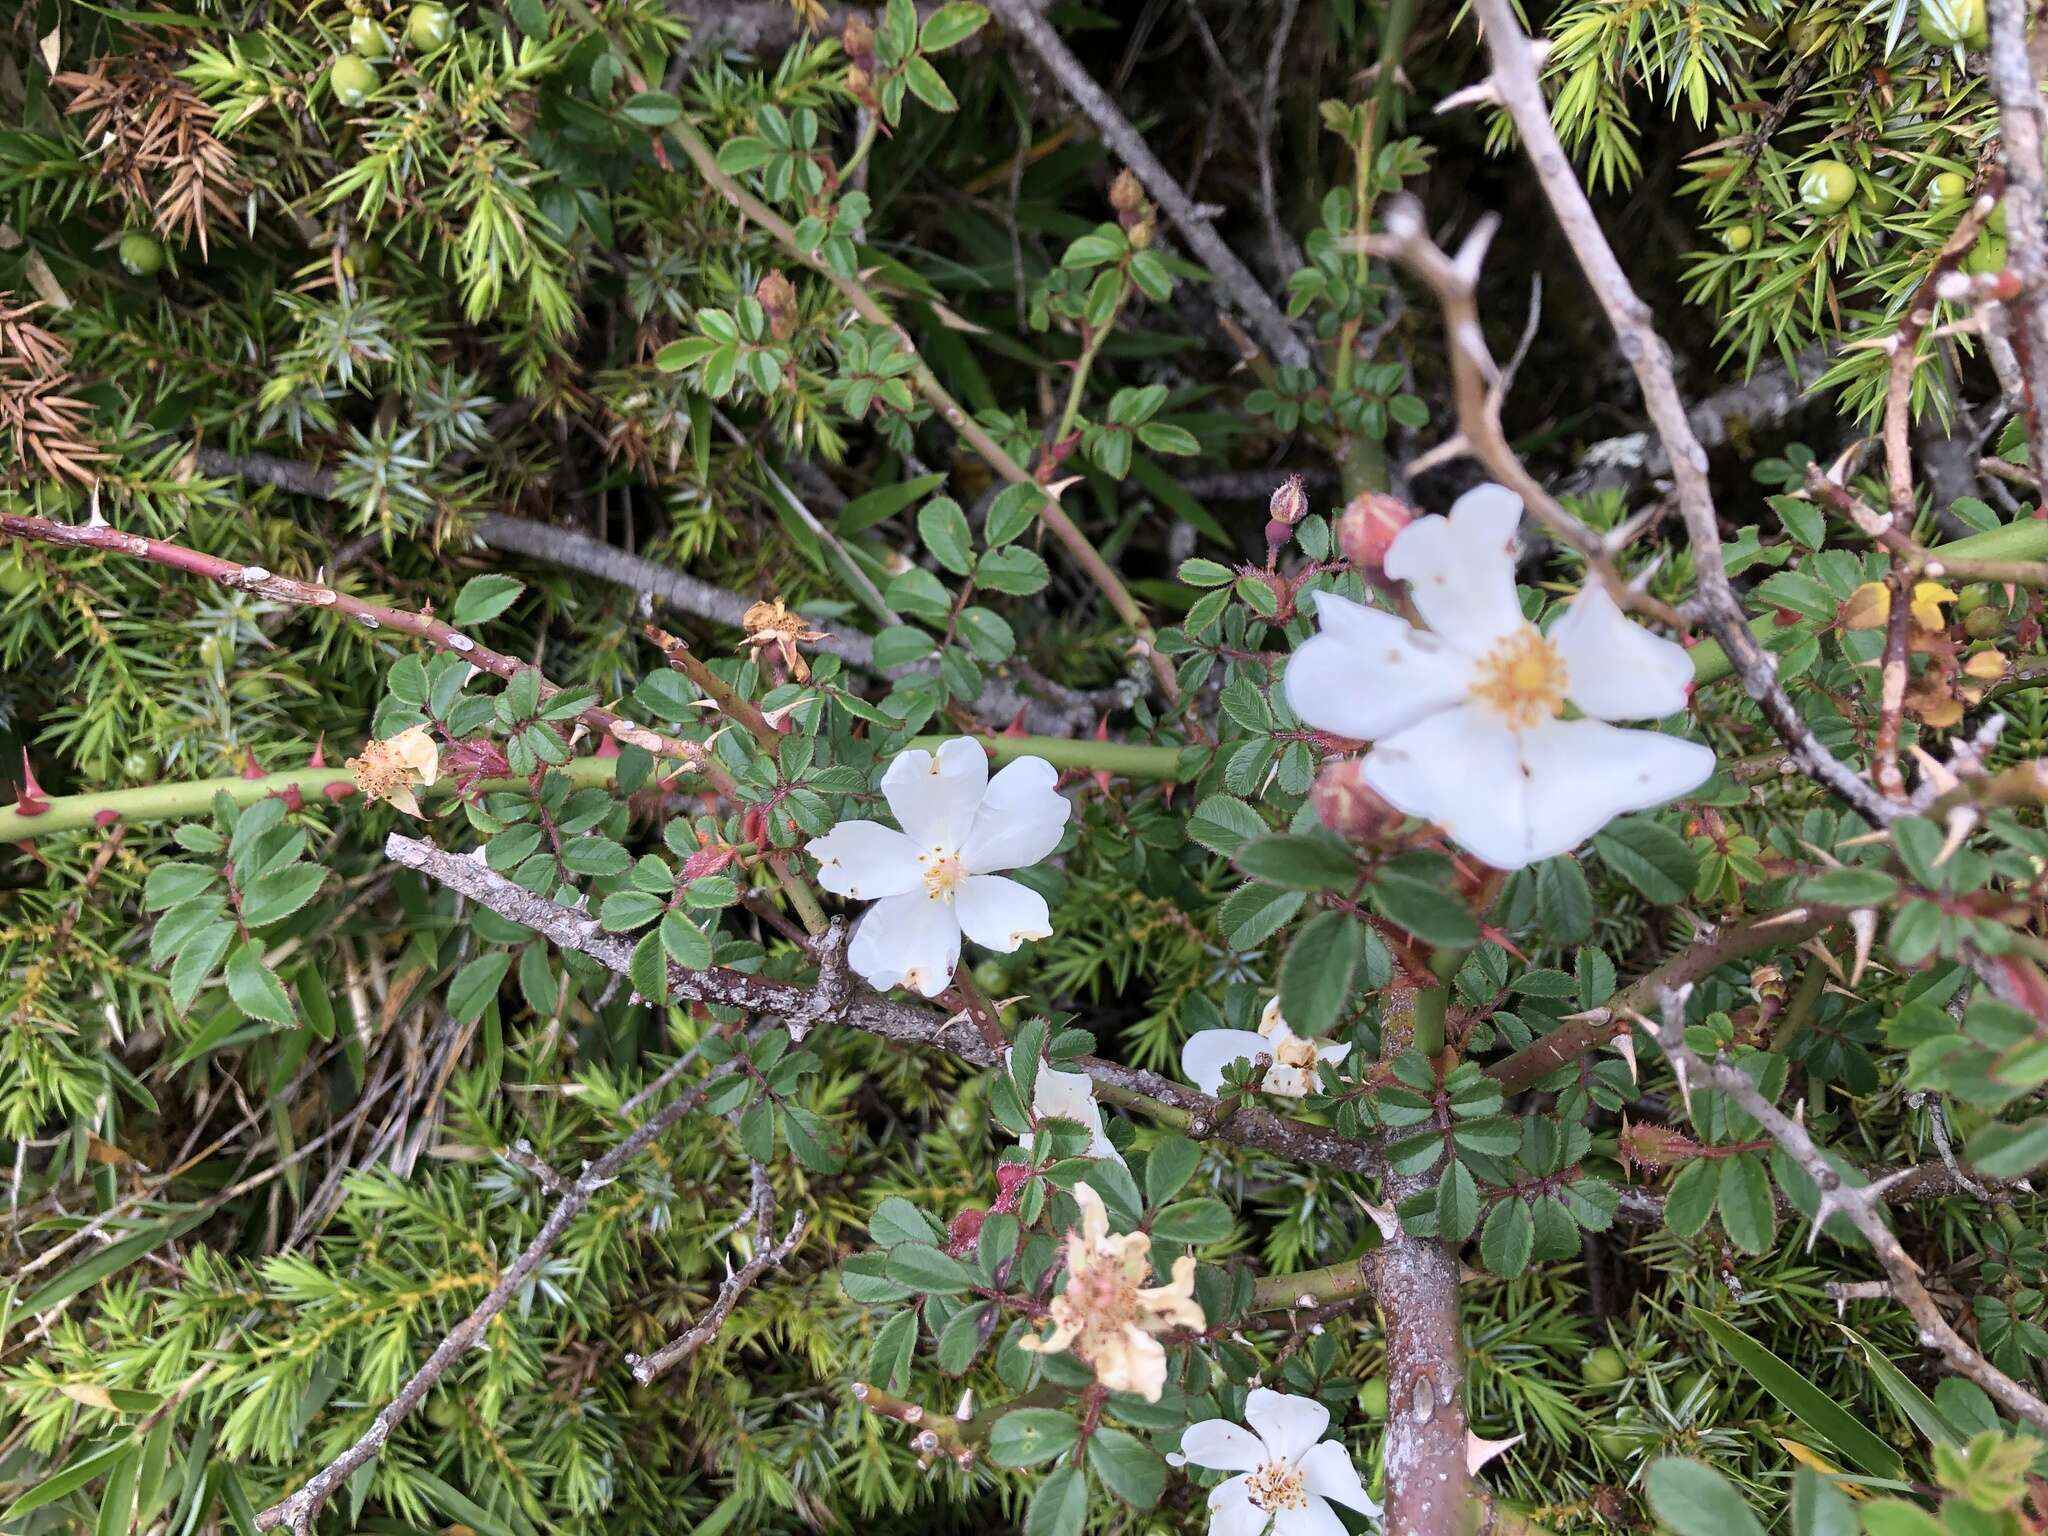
(1107, 1316)
(388, 770)
(772, 627)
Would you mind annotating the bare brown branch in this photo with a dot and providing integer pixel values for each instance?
(1862, 1205)
(1515, 81)
(1280, 339)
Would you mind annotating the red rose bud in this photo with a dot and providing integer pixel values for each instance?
(1349, 807)
(1369, 526)
(754, 826)
(469, 763)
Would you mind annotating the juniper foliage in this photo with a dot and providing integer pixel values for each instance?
(442, 349)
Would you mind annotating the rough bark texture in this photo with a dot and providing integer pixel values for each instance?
(1416, 1285)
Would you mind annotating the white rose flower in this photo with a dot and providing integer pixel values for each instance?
(1287, 1472)
(935, 879)
(1293, 1072)
(1465, 716)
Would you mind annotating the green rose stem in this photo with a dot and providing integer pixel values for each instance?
(194, 797)
(2024, 540)
(181, 801)
(1124, 760)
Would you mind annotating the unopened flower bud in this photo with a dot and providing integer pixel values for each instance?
(1126, 193)
(1369, 526)
(857, 81)
(1010, 1181)
(1351, 808)
(1290, 502)
(777, 296)
(857, 41)
(1984, 623)
(1655, 1146)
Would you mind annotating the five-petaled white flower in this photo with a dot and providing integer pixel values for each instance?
(1465, 715)
(1286, 1478)
(936, 878)
(1293, 1072)
(1107, 1315)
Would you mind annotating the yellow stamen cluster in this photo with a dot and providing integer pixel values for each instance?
(942, 873)
(1107, 1316)
(1522, 679)
(1276, 1486)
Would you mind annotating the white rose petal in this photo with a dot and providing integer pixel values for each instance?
(1287, 1473)
(1466, 717)
(1292, 1061)
(936, 879)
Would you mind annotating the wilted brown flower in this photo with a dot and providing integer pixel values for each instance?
(1105, 1316)
(777, 296)
(857, 42)
(771, 626)
(388, 770)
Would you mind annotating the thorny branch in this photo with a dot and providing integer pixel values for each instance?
(1199, 1115)
(255, 579)
(1480, 384)
(1515, 82)
(2018, 92)
(1047, 708)
(1861, 1205)
(1415, 1281)
(769, 1253)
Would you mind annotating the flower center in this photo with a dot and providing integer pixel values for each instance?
(942, 872)
(1522, 679)
(1277, 1486)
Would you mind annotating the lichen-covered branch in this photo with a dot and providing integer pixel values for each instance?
(297, 1511)
(2017, 87)
(1201, 1116)
(770, 1252)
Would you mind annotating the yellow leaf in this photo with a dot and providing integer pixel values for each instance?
(1868, 607)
